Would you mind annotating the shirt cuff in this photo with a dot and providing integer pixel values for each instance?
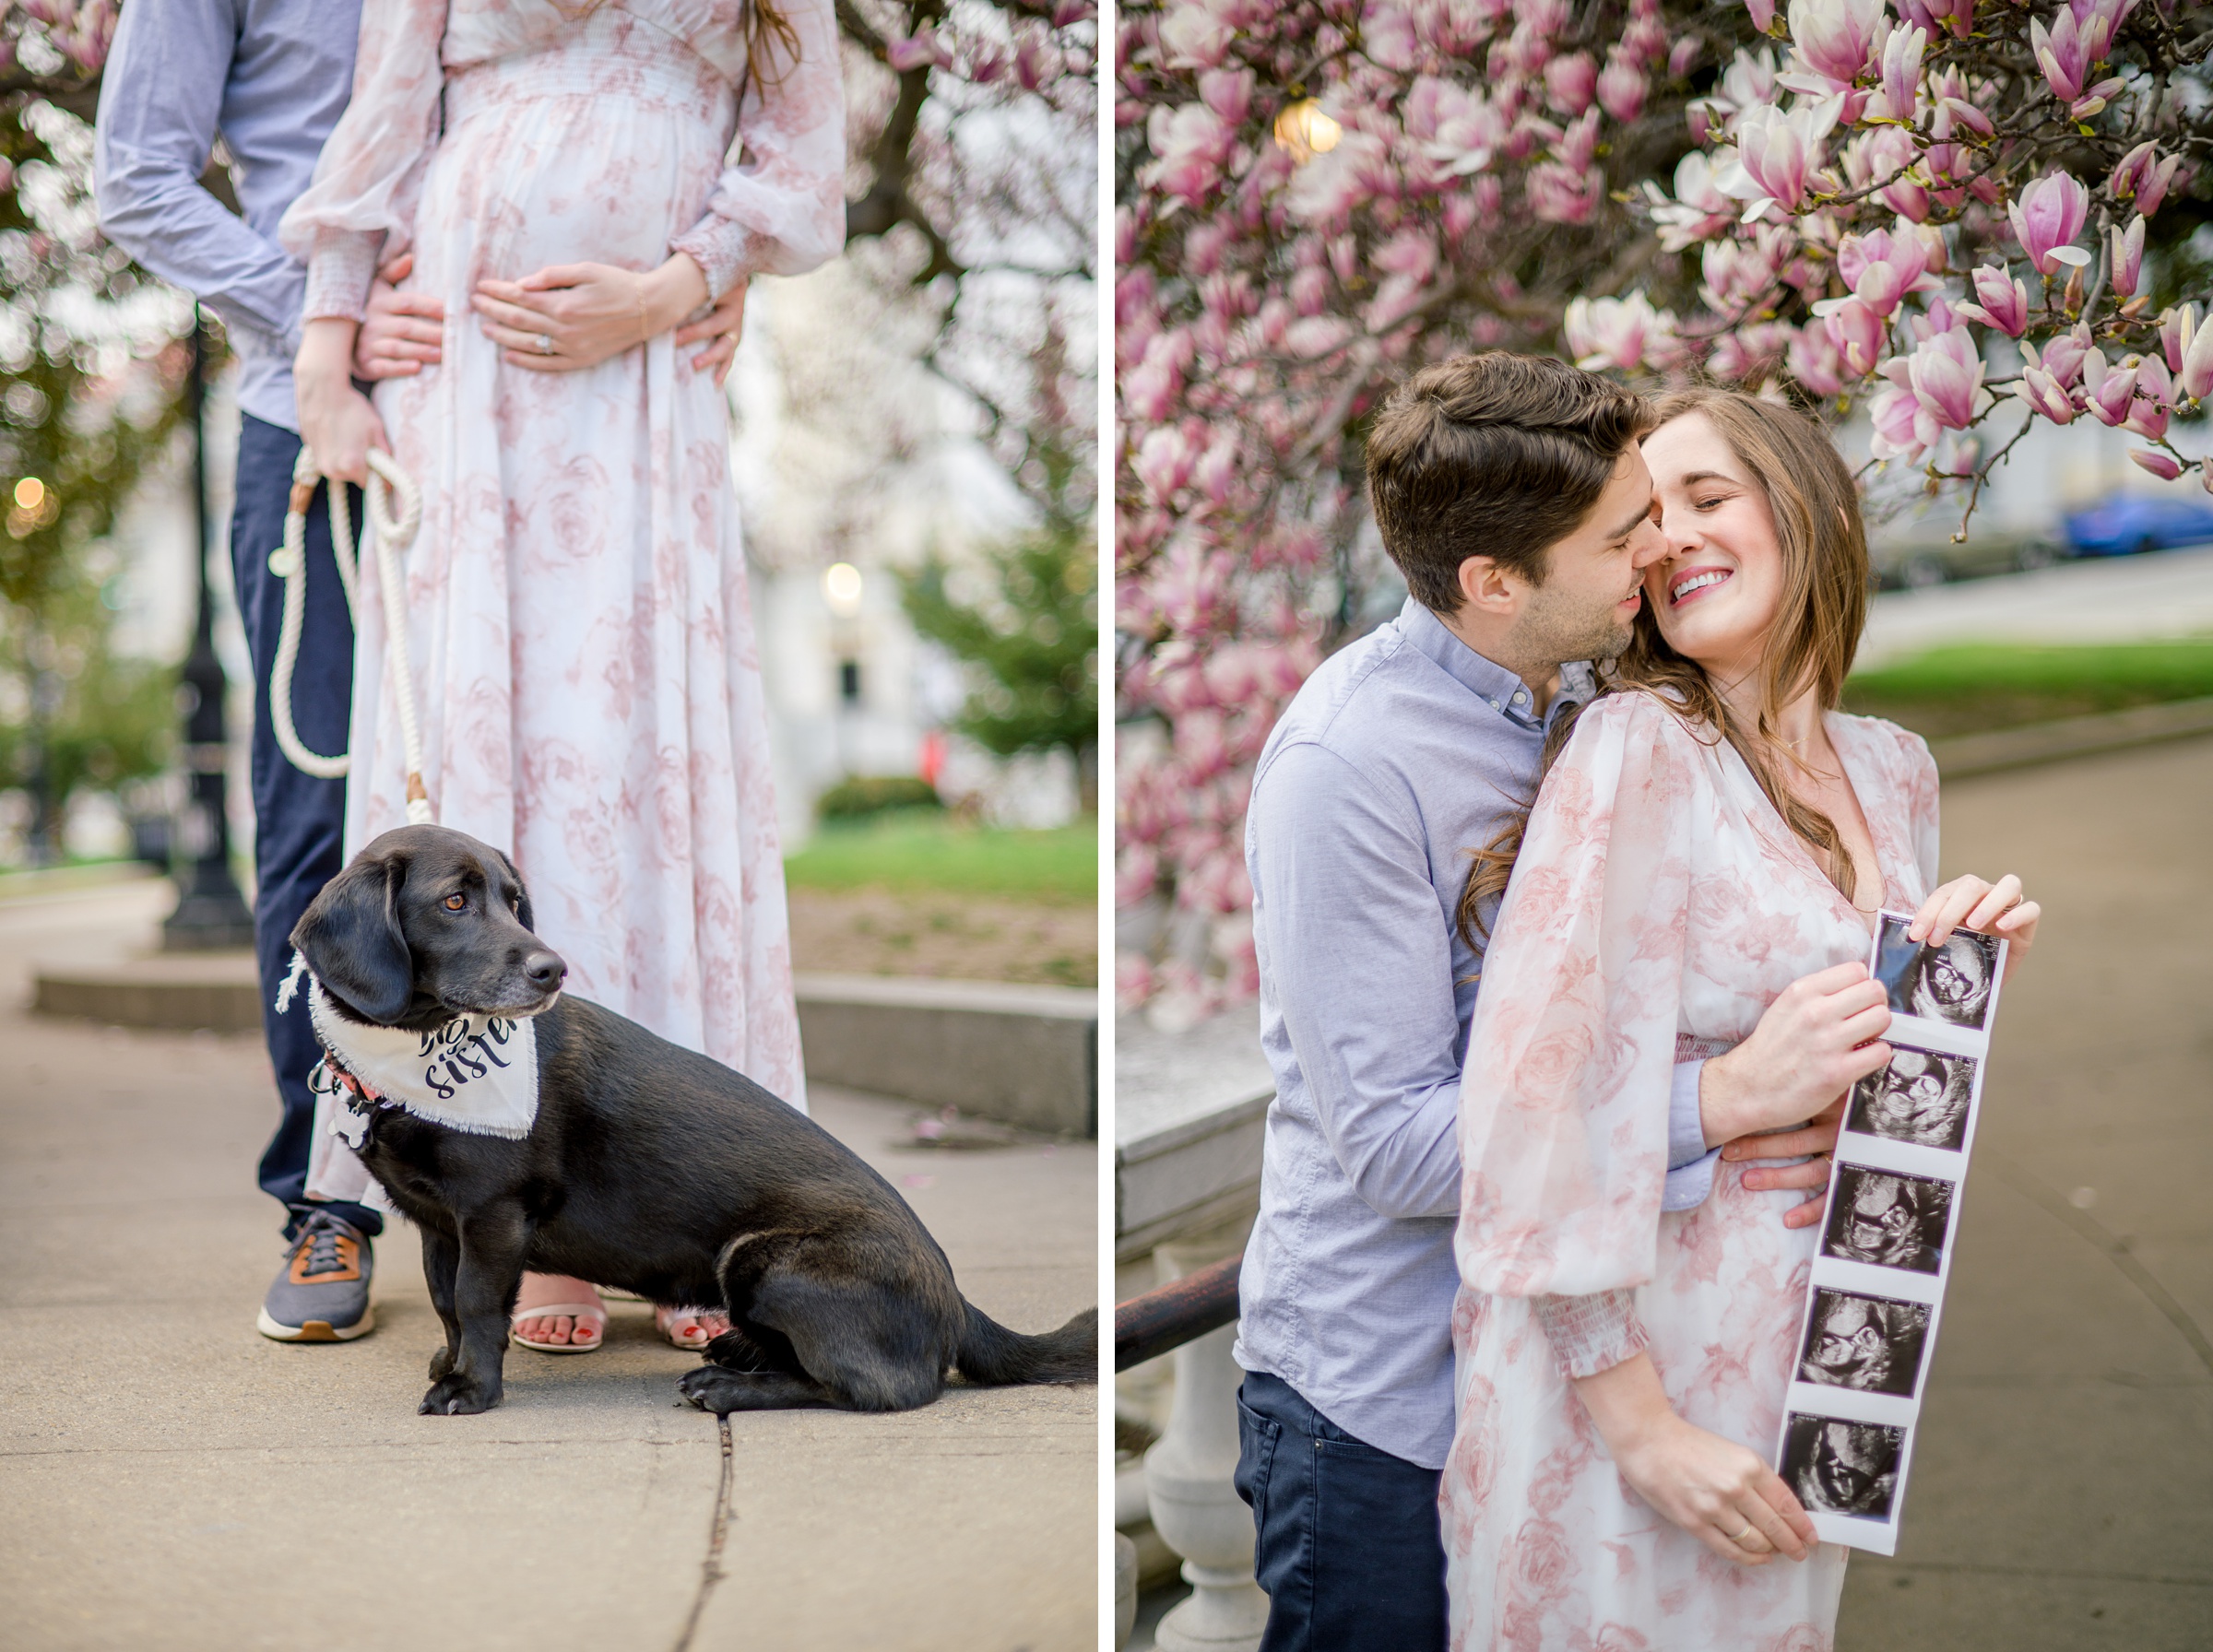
(1591, 1333)
(1690, 1162)
(718, 246)
(339, 273)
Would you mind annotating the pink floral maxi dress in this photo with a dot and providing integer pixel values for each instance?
(589, 688)
(1659, 905)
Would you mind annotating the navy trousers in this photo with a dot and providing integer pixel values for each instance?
(1347, 1543)
(298, 821)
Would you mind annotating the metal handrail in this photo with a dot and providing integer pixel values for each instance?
(1179, 1312)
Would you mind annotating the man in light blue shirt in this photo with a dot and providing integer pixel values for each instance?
(1511, 492)
(273, 77)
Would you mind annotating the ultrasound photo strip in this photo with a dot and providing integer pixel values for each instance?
(1875, 1293)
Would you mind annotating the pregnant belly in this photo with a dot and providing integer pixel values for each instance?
(519, 183)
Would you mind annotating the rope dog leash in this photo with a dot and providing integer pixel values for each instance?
(395, 509)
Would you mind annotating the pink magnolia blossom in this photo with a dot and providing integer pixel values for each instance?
(1956, 17)
(2176, 327)
(2046, 219)
(1569, 82)
(1859, 337)
(2193, 378)
(1833, 40)
(1228, 92)
(2062, 356)
(1621, 90)
(2144, 178)
(1775, 156)
(1620, 334)
(1763, 14)
(1561, 195)
(1882, 270)
(1903, 428)
(1698, 210)
(2063, 54)
(1902, 53)
(2109, 389)
(2127, 265)
(2161, 464)
(1889, 152)
(1815, 363)
(912, 52)
(2004, 301)
(2155, 399)
(1946, 374)
(1194, 35)
(2043, 395)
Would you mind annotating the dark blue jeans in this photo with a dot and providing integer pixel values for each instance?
(1347, 1543)
(298, 821)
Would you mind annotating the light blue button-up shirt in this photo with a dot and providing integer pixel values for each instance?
(1402, 753)
(273, 77)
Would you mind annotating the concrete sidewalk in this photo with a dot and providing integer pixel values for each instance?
(2062, 1492)
(170, 1480)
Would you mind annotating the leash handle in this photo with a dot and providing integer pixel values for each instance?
(395, 509)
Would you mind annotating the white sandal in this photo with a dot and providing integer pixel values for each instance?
(579, 1310)
(664, 1321)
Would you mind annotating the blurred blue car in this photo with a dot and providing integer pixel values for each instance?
(2129, 523)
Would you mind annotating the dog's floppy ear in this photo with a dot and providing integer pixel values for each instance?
(522, 895)
(350, 937)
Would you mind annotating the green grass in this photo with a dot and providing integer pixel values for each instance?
(1968, 688)
(924, 850)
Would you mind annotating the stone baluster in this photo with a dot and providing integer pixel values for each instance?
(1196, 1509)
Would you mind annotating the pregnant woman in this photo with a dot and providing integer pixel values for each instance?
(1713, 831)
(576, 603)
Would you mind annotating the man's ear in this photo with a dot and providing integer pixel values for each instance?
(1484, 585)
(352, 939)
(522, 895)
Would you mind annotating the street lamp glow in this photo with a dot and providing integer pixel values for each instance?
(31, 493)
(841, 589)
(1305, 130)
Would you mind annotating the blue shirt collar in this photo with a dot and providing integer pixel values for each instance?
(1486, 679)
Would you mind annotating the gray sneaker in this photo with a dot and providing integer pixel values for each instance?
(321, 1295)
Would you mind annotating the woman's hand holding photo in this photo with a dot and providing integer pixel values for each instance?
(1780, 1094)
(1723, 1494)
(1970, 902)
(570, 316)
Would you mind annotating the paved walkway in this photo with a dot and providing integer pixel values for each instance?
(170, 1480)
(2099, 599)
(2062, 1497)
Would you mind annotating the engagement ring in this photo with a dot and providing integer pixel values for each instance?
(545, 344)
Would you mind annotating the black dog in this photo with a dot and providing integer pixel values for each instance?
(649, 1167)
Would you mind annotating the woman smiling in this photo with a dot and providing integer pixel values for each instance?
(1713, 833)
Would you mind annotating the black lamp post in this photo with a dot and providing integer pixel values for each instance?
(211, 912)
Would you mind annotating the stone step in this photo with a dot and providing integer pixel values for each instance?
(1022, 1055)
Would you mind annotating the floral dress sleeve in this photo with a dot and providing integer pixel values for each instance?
(780, 208)
(1564, 1098)
(361, 207)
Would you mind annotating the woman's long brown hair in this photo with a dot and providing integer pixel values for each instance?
(1817, 624)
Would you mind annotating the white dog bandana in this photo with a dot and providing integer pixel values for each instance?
(477, 1073)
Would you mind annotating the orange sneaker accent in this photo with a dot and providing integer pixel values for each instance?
(348, 1267)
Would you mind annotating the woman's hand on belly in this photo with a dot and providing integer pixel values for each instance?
(1720, 1492)
(571, 316)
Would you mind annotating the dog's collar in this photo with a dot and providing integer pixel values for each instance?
(477, 1073)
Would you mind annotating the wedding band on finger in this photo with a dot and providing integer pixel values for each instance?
(545, 344)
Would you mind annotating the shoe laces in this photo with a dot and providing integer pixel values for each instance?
(321, 1236)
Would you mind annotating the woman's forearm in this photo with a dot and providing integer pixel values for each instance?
(1627, 1402)
(671, 293)
(336, 422)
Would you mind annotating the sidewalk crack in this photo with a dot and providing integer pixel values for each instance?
(710, 1569)
(2116, 1248)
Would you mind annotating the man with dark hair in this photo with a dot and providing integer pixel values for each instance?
(1510, 494)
